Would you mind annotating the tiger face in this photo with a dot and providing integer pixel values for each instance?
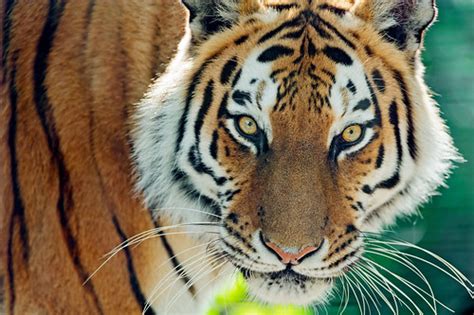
(297, 128)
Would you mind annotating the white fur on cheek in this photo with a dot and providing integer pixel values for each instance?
(256, 72)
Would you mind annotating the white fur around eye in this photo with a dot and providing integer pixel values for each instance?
(368, 135)
(230, 124)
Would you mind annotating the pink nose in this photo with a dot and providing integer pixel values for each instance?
(291, 258)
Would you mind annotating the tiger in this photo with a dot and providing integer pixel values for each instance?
(190, 140)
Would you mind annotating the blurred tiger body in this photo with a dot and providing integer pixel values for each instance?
(71, 71)
(304, 71)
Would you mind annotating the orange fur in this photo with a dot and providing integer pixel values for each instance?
(102, 58)
(72, 72)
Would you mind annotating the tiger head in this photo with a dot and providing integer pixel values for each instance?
(298, 127)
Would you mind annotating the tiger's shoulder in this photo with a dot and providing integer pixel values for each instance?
(70, 71)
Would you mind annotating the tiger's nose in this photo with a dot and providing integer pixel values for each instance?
(291, 257)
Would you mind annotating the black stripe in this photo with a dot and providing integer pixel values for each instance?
(134, 284)
(395, 178)
(213, 22)
(338, 34)
(241, 97)
(44, 111)
(18, 211)
(200, 167)
(341, 247)
(331, 75)
(194, 157)
(362, 104)
(316, 26)
(396, 34)
(7, 24)
(237, 250)
(194, 82)
(412, 147)
(222, 112)
(311, 48)
(230, 194)
(294, 34)
(242, 147)
(380, 156)
(236, 78)
(183, 180)
(333, 9)
(337, 55)
(339, 261)
(350, 85)
(275, 52)
(394, 120)
(242, 39)
(368, 51)
(10, 269)
(288, 24)
(176, 264)
(90, 10)
(378, 80)
(206, 104)
(282, 7)
(375, 101)
(316, 23)
(228, 70)
(213, 149)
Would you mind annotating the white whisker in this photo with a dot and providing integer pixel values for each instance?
(455, 275)
(373, 265)
(194, 279)
(157, 290)
(371, 282)
(387, 253)
(188, 209)
(369, 294)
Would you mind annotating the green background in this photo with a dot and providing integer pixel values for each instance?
(447, 225)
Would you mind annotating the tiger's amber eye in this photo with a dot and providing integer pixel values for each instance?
(248, 125)
(352, 133)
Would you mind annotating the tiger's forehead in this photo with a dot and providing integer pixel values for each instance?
(297, 48)
(302, 63)
(313, 64)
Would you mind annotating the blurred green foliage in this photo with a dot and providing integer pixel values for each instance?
(447, 226)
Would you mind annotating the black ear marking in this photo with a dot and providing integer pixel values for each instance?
(207, 17)
(397, 35)
(210, 16)
(403, 22)
(192, 10)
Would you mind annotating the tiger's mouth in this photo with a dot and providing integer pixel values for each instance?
(288, 287)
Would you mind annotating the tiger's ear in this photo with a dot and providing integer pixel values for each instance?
(207, 17)
(402, 22)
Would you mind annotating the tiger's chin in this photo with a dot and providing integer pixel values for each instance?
(288, 287)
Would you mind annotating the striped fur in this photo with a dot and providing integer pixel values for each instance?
(304, 70)
(70, 72)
